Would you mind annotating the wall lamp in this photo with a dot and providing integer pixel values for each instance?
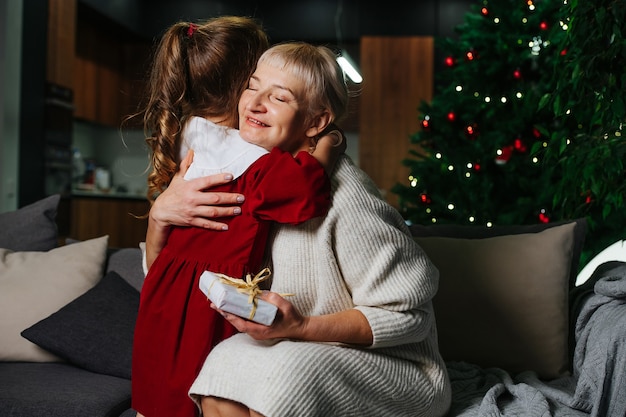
(349, 67)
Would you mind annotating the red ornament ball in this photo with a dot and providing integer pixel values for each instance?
(536, 133)
(517, 74)
(425, 198)
(484, 11)
(543, 26)
(470, 55)
(519, 145)
(451, 116)
(449, 61)
(543, 217)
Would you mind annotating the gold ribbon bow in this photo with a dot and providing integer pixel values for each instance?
(248, 286)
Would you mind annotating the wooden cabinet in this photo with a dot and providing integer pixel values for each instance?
(60, 42)
(119, 218)
(110, 66)
(103, 63)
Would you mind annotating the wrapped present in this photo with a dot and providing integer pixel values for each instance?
(239, 296)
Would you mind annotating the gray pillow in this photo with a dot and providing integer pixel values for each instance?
(503, 301)
(95, 331)
(32, 227)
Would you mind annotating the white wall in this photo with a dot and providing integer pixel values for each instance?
(10, 68)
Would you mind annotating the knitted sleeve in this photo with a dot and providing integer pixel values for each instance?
(391, 279)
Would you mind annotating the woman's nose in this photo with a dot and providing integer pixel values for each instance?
(256, 102)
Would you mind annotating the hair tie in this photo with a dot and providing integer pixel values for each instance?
(191, 29)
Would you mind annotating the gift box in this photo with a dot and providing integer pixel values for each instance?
(238, 296)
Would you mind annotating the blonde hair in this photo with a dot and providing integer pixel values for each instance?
(198, 70)
(324, 83)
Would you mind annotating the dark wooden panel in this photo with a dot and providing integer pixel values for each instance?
(398, 75)
(61, 41)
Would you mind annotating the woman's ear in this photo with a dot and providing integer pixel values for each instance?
(319, 124)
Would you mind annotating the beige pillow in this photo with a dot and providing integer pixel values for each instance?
(33, 285)
(503, 301)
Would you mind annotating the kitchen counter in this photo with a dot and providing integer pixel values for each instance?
(129, 195)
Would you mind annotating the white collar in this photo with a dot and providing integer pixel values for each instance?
(217, 149)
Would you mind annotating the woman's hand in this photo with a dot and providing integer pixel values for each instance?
(188, 203)
(348, 326)
(287, 324)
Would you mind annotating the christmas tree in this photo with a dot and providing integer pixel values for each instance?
(586, 141)
(494, 148)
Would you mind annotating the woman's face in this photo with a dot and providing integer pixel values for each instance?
(272, 111)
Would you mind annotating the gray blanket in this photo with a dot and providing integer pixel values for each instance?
(597, 386)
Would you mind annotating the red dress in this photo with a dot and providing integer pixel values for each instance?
(176, 328)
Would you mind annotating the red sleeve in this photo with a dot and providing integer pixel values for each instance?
(289, 189)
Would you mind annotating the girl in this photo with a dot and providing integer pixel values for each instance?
(198, 74)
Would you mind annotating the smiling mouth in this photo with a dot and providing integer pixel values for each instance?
(256, 122)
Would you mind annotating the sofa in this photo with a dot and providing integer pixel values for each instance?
(518, 335)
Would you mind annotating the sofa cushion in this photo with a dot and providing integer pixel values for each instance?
(95, 331)
(34, 285)
(480, 232)
(60, 390)
(32, 227)
(503, 300)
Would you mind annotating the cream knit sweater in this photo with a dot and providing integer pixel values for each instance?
(361, 256)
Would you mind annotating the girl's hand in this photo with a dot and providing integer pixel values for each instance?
(329, 148)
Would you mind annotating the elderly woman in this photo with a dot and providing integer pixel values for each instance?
(358, 338)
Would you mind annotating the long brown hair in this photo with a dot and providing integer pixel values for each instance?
(199, 69)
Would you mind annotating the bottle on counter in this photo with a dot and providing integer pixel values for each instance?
(90, 172)
(78, 167)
